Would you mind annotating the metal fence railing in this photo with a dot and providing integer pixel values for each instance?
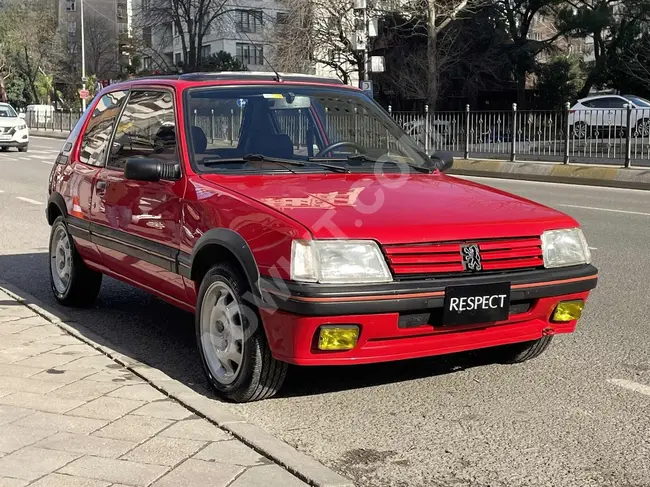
(619, 136)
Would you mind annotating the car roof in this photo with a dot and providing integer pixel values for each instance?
(597, 97)
(223, 78)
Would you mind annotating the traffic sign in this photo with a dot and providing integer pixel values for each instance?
(84, 94)
(241, 102)
(366, 87)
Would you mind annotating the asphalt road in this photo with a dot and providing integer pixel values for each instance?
(577, 416)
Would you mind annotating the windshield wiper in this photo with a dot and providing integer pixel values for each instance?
(365, 158)
(262, 158)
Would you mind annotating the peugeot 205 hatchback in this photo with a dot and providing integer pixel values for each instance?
(300, 225)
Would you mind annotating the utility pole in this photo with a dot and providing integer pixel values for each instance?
(83, 54)
(366, 50)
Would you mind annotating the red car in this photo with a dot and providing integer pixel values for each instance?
(302, 226)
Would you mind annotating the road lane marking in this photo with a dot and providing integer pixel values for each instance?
(41, 157)
(48, 162)
(633, 386)
(549, 183)
(604, 209)
(29, 200)
(2, 191)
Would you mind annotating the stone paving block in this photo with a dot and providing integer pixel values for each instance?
(31, 463)
(13, 437)
(133, 428)
(138, 392)
(18, 371)
(119, 471)
(109, 408)
(94, 362)
(62, 375)
(40, 402)
(87, 445)
(38, 332)
(11, 327)
(63, 340)
(9, 414)
(196, 472)
(29, 385)
(7, 482)
(47, 360)
(61, 422)
(11, 313)
(231, 452)
(267, 475)
(60, 480)
(164, 451)
(77, 350)
(196, 429)
(87, 389)
(121, 376)
(166, 409)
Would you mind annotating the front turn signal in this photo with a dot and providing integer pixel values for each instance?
(568, 311)
(338, 337)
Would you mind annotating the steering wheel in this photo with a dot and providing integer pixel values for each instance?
(343, 143)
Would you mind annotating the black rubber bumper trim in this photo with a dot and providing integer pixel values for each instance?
(331, 300)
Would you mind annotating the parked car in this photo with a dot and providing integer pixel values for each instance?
(13, 130)
(322, 251)
(439, 132)
(607, 115)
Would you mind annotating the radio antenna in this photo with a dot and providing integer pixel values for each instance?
(278, 78)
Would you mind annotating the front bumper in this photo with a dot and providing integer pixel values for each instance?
(19, 138)
(401, 320)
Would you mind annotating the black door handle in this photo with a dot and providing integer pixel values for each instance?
(101, 185)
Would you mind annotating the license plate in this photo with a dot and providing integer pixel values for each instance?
(468, 305)
(5, 137)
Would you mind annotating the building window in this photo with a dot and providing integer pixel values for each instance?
(249, 20)
(146, 63)
(250, 54)
(178, 59)
(282, 18)
(70, 5)
(206, 51)
(72, 28)
(206, 25)
(145, 5)
(121, 11)
(147, 37)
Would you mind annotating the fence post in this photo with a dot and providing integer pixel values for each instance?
(356, 125)
(567, 130)
(232, 126)
(628, 137)
(426, 129)
(513, 138)
(467, 125)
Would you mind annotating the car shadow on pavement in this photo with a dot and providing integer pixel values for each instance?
(160, 335)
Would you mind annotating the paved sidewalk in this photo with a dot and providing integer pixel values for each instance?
(70, 416)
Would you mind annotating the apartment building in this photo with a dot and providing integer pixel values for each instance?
(242, 28)
(107, 27)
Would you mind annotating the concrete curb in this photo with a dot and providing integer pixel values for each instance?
(302, 466)
(49, 134)
(592, 175)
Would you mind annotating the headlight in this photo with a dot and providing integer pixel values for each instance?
(565, 247)
(21, 127)
(338, 261)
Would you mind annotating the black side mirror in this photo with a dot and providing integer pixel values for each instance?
(145, 169)
(442, 160)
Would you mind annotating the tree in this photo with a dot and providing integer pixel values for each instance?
(612, 24)
(101, 47)
(560, 79)
(222, 61)
(187, 20)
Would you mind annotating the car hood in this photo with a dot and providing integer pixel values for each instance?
(11, 122)
(413, 208)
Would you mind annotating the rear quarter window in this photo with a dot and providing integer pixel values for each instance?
(94, 144)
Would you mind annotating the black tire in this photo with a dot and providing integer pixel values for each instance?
(580, 130)
(4, 149)
(642, 128)
(259, 376)
(84, 283)
(22, 149)
(522, 352)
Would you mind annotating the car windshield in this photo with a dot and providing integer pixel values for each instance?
(310, 128)
(640, 102)
(7, 112)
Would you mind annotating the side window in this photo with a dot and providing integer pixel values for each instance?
(100, 127)
(600, 103)
(147, 128)
(616, 102)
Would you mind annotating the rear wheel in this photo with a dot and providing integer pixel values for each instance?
(579, 130)
(234, 351)
(521, 352)
(72, 282)
(643, 128)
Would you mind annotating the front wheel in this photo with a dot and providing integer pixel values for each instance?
(72, 282)
(23, 148)
(522, 352)
(234, 351)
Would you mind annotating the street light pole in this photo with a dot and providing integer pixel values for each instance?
(83, 54)
(366, 33)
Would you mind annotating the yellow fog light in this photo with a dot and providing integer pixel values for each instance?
(338, 337)
(568, 310)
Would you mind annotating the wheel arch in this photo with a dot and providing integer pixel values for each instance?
(55, 207)
(220, 244)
